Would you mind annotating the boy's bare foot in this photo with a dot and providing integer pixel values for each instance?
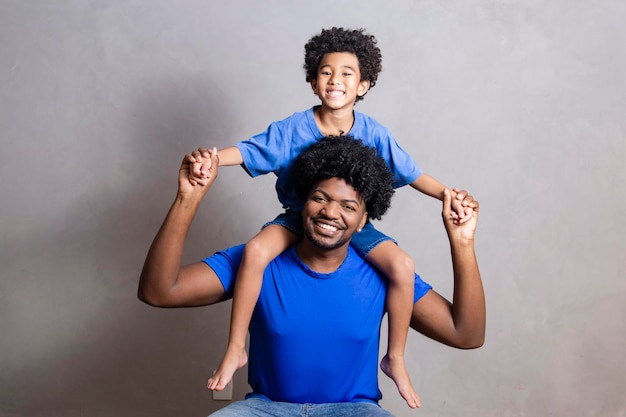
(396, 370)
(233, 360)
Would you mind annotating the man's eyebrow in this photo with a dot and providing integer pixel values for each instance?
(352, 201)
(327, 196)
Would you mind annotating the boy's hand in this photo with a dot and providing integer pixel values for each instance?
(462, 204)
(204, 163)
(458, 231)
(200, 165)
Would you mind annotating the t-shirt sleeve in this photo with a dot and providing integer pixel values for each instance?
(263, 153)
(421, 288)
(225, 264)
(404, 169)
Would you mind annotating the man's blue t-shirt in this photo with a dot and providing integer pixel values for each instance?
(276, 149)
(314, 337)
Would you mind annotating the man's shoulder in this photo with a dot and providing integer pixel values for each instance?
(354, 260)
(225, 264)
(225, 261)
(286, 258)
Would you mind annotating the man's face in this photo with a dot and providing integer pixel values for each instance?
(332, 213)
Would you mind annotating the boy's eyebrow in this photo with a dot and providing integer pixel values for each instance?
(343, 66)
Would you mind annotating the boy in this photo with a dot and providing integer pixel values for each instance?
(341, 66)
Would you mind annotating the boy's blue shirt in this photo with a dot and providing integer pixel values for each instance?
(276, 149)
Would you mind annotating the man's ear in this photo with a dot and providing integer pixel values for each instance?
(364, 86)
(362, 223)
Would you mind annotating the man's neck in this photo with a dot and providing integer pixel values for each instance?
(321, 260)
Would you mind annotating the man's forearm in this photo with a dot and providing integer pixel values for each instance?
(468, 307)
(161, 268)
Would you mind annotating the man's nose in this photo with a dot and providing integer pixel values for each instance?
(331, 209)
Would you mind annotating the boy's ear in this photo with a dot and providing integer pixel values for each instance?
(314, 85)
(363, 87)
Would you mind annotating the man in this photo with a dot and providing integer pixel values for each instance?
(315, 331)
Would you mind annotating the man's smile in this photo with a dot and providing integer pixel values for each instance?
(325, 226)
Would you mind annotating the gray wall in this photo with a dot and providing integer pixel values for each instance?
(520, 101)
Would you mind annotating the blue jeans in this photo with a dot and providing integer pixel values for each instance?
(362, 242)
(256, 407)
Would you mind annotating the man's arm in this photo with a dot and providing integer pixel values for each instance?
(163, 282)
(461, 323)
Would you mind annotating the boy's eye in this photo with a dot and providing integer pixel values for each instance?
(347, 74)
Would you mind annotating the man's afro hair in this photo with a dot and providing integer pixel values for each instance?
(349, 159)
(336, 39)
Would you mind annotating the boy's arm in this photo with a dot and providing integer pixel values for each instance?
(462, 202)
(163, 282)
(200, 161)
(230, 156)
(429, 186)
(461, 323)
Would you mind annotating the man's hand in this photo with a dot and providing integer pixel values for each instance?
(461, 228)
(198, 171)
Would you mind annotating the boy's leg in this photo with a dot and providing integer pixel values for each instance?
(258, 253)
(398, 266)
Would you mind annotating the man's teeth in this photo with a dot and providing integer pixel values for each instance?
(327, 227)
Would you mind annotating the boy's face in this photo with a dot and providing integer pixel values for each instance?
(338, 80)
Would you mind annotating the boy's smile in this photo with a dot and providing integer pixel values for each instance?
(338, 81)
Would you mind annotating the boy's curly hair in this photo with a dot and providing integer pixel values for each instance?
(337, 39)
(351, 160)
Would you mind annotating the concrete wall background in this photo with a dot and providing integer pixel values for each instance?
(521, 102)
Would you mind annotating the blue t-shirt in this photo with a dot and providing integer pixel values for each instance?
(313, 337)
(276, 149)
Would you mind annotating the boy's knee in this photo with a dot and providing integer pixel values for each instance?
(403, 264)
(256, 248)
